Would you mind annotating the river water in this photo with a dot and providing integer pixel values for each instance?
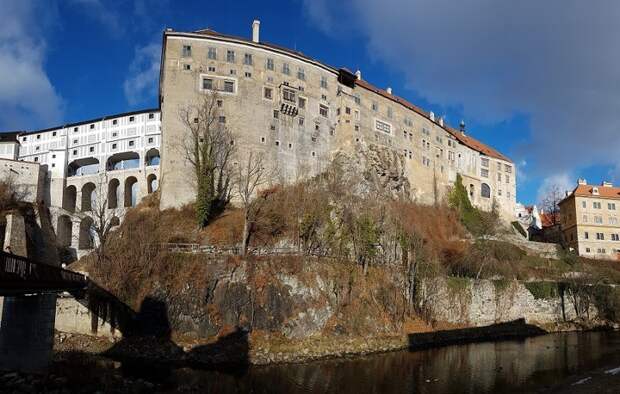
(529, 365)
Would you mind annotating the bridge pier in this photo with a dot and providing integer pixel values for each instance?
(26, 322)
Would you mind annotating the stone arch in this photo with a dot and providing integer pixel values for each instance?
(85, 166)
(123, 161)
(86, 238)
(485, 191)
(113, 193)
(152, 183)
(131, 191)
(64, 229)
(89, 194)
(69, 198)
(152, 157)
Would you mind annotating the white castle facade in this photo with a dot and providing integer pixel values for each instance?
(295, 110)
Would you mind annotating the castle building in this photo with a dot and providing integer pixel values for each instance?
(298, 112)
(589, 220)
(118, 153)
(293, 109)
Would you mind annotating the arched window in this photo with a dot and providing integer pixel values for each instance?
(88, 197)
(151, 183)
(131, 191)
(485, 190)
(113, 193)
(63, 230)
(69, 197)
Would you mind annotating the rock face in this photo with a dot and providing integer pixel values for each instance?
(295, 298)
(374, 170)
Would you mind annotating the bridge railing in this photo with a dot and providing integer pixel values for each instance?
(20, 273)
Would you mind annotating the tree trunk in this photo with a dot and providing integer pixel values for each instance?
(245, 240)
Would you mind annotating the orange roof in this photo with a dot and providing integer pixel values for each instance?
(603, 191)
(546, 219)
(461, 137)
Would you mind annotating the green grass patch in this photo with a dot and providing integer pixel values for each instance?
(458, 285)
(543, 290)
(501, 285)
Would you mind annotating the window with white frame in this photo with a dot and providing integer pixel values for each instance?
(212, 54)
(383, 126)
(323, 110)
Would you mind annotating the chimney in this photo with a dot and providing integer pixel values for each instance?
(255, 30)
(358, 74)
(462, 127)
(389, 90)
(431, 115)
(441, 121)
(582, 181)
(607, 184)
(595, 191)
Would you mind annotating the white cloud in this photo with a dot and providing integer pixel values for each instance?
(562, 181)
(550, 60)
(27, 97)
(141, 84)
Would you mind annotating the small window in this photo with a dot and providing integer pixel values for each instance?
(313, 154)
(131, 143)
(39, 136)
(324, 82)
(268, 93)
(187, 51)
(286, 69)
(301, 74)
(290, 146)
(75, 129)
(323, 110)
(596, 205)
(390, 113)
(611, 206)
(484, 173)
(114, 122)
(230, 56)
(212, 54)
(301, 121)
(270, 64)
(187, 67)
(131, 119)
(150, 140)
(115, 134)
(220, 103)
(75, 152)
(507, 168)
(233, 71)
(484, 162)
(288, 95)
(53, 156)
(262, 140)
(151, 116)
(375, 106)
(37, 148)
(302, 103)
(91, 149)
(114, 146)
(276, 113)
(92, 126)
(222, 119)
(36, 159)
(75, 142)
(24, 138)
(247, 59)
(248, 74)
(229, 86)
(277, 143)
(383, 126)
(583, 204)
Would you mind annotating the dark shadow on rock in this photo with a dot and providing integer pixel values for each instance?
(516, 329)
(229, 354)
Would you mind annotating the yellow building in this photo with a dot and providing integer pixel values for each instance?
(589, 220)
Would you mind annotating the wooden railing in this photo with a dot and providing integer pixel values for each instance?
(20, 275)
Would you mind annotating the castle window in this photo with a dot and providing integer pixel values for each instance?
(347, 110)
(323, 110)
(290, 146)
(268, 93)
(207, 84)
(598, 219)
(286, 69)
(37, 148)
(222, 119)
(302, 103)
(324, 82)
(187, 67)
(507, 168)
(301, 121)
(75, 129)
(484, 173)
(248, 74)
(132, 143)
(150, 140)
(39, 136)
(615, 237)
(375, 106)
(583, 204)
(600, 236)
(75, 152)
(91, 149)
(262, 140)
(357, 127)
(229, 86)
(484, 162)
(131, 119)
(383, 126)
(36, 159)
(230, 56)
(247, 59)
(114, 122)
(507, 178)
(211, 69)
(586, 235)
(187, 51)
(219, 103)
(233, 71)
(212, 54)
(596, 205)
(313, 154)
(587, 250)
(485, 190)
(357, 99)
(613, 220)
(75, 142)
(288, 95)
(277, 143)
(611, 206)
(24, 138)
(390, 113)
(92, 126)
(276, 113)
(270, 64)
(301, 74)
(499, 177)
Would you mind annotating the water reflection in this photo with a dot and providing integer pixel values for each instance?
(511, 366)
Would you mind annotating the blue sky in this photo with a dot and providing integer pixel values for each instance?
(538, 82)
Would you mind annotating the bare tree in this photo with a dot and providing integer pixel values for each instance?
(208, 146)
(101, 216)
(250, 177)
(550, 203)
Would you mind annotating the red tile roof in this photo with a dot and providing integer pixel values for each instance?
(546, 219)
(461, 137)
(603, 191)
